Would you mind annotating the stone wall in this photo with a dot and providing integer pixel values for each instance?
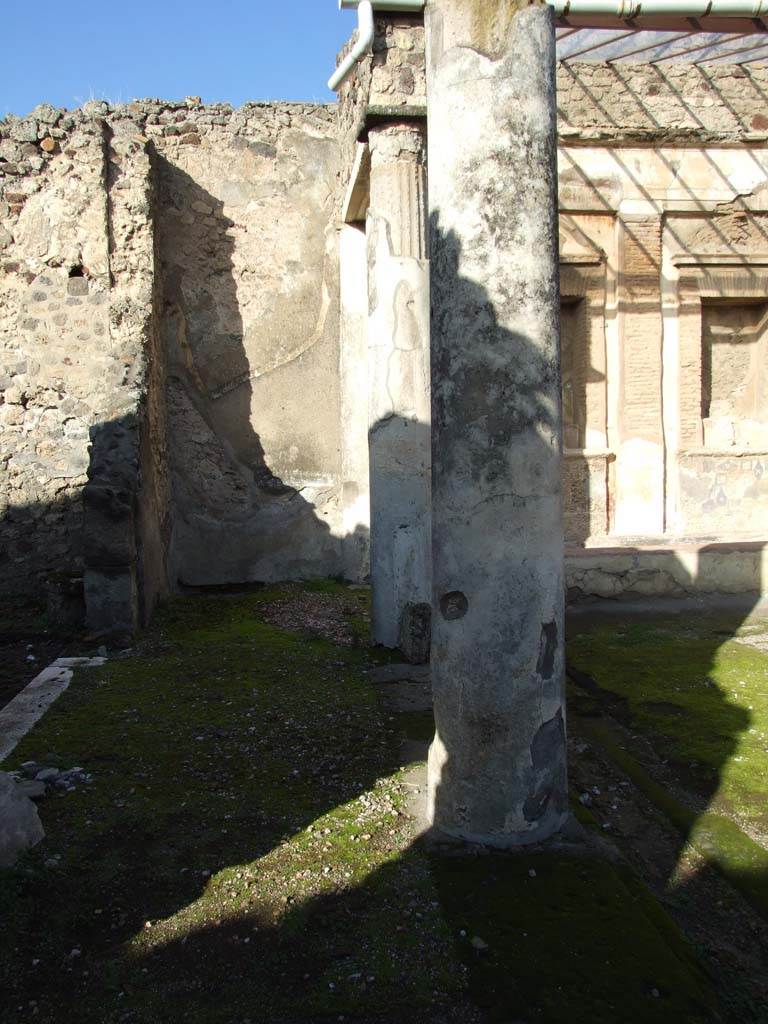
(390, 82)
(169, 340)
(76, 296)
(633, 572)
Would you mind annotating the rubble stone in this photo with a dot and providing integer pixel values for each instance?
(20, 827)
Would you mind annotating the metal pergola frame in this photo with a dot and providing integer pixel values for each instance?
(709, 40)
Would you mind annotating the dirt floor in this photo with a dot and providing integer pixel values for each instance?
(245, 852)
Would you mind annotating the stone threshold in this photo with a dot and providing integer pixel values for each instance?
(27, 708)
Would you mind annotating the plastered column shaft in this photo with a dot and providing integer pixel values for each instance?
(398, 377)
(497, 770)
(353, 368)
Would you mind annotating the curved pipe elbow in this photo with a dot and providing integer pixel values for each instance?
(365, 30)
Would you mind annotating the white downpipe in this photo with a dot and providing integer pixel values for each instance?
(628, 9)
(364, 42)
(361, 47)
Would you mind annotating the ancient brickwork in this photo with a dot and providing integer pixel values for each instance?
(671, 102)
(398, 73)
(586, 488)
(658, 153)
(586, 466)
(640, 300)
(169, 324)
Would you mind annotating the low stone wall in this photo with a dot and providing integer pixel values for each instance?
(674, 571)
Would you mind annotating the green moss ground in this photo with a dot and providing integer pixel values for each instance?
(700, 697)
(242, 855)
(213, 754)
(577, 940)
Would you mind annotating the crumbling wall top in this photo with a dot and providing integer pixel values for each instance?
(28, 143)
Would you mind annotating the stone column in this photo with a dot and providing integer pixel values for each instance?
(398, 376)
(497, 768)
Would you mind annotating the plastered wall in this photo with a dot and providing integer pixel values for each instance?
(250, 326)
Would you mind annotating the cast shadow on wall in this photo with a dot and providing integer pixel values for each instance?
(231, 519)
(96, 557)
(234, 519)
(631, 106)
(319, 959)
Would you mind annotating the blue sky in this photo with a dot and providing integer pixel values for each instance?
(225, 50)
